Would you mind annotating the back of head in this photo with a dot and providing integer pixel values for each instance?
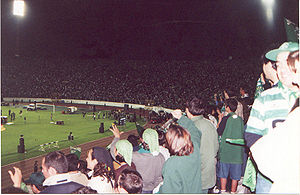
(58, 161)
(72, 162)
(179, 141)
(131, 181)
(85, 190)
(232, 104)
(102, 155)
(196, 106)
(150, 137)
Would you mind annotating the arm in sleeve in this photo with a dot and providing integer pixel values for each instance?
(113, 146)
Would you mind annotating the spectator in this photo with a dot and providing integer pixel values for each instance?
(230, 156)
(182, 171)
(209, 146)
(272, 106)
(149, 163)
(100, 162)
(130, 182)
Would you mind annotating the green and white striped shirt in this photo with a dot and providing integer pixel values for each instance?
(270, 108)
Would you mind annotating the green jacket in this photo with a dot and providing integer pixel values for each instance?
(208, 150)
(182, 174)
(234, 129)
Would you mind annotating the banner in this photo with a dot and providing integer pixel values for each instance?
(292, 31)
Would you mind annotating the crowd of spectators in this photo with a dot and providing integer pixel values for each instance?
(166, 83)
(192, 152)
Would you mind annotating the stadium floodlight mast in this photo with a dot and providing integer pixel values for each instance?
(19, 11)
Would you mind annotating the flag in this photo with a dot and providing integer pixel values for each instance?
(236, 141)
(292, 31)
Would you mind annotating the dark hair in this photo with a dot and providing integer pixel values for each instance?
(85, 190)
(101, 169)
(232, 104)
(133, 140)
(292, 58)
(83, 167)
(72, 162)
(131, 181)
(196, 106)
(179, 141)
(161, 137)
(58, 161)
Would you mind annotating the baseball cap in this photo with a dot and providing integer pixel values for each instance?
(286, 46)
(36, 179)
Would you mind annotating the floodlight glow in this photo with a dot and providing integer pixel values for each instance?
(19, 7)
(268, 3)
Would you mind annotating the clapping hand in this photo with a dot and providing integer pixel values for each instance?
(17, 177)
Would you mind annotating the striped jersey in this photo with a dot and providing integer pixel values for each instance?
(270, 108)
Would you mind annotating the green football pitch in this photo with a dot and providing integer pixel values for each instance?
(38, 129)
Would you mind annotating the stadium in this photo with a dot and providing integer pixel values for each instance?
(72, 72)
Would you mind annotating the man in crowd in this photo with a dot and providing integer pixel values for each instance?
(209, 142)
(55, 170)
(272, 106)
(230, 156)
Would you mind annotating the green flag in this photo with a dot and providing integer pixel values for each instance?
(292, 31)
(236, 141)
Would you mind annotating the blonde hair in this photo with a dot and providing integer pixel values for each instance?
(179, 141)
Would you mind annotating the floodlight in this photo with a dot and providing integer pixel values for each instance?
(19, 7)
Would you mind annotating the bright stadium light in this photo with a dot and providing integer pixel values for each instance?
(19, 8)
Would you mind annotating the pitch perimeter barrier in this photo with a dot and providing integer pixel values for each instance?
(85, 102)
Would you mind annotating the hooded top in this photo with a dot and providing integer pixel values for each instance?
(124, 147)
(150, 137)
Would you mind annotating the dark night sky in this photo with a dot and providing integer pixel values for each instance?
(145, 29)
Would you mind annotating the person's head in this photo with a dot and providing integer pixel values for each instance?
(54, 163)
(195, 107)
(97, 155)
(294, 66)
(280, 56)
(85, 190)
(231, 105)
(179, 141)
(82, 166)
(129, 181)
(73, 162)
(150, 137)
(36, 181)
(123, 151)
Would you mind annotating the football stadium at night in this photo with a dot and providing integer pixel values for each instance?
(161, 96)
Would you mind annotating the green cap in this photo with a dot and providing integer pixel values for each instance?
(286, 46)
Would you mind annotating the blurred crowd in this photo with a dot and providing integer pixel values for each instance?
(166, 83)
